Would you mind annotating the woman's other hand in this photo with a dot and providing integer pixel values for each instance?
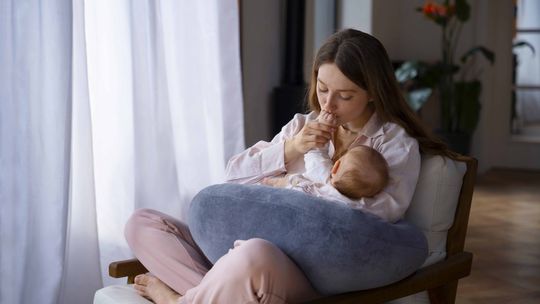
(313, 135)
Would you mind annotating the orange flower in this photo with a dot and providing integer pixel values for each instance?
(438, 12)
(429, 9)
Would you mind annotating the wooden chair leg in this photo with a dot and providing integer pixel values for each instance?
(445, 294)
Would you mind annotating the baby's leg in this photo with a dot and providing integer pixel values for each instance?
(255, 271)
(165, 247)
(327, 118)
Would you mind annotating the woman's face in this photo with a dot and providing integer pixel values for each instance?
(342, 97)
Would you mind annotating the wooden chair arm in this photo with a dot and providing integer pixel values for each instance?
(127, 268)
(453, 268)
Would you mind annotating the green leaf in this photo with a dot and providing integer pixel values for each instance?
(431, 75)
(467, 105)
(417, 98)
(440, 20)
(518, 44)
(407, 71)
(488, 54)
(463, 10)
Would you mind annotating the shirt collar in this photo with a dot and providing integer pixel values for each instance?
(373, 127)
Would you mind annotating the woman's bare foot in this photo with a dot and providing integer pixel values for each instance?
(154, 289)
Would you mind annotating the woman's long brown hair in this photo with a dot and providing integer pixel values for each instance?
(363, 59)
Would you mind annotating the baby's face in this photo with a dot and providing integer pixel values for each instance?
(341, 165)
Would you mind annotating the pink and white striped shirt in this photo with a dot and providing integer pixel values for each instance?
(400, 150)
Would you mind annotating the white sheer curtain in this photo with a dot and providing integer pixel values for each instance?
(165, 105)
(106, 106)
(35, 110)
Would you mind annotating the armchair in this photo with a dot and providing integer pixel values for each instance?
(440, 207)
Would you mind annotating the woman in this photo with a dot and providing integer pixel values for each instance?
(353, 79)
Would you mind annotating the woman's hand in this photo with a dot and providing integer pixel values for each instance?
(313, 135)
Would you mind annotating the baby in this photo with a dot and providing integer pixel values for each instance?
(360, 172)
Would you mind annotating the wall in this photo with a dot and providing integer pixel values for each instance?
(406, 35)
(262, 48)
(354, 14)
(494, 144)
(320, 23)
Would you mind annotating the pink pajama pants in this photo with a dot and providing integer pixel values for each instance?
(254, 271)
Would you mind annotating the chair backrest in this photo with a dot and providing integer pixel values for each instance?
(458, 231)
(441, 203)
(440, 207)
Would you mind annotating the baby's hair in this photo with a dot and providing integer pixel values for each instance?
(369, 174)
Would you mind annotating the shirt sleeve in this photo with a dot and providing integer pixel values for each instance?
(403, 157)
(264, 158)
(318, 165)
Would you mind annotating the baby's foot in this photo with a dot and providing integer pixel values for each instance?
(154, 289)
(327, 118)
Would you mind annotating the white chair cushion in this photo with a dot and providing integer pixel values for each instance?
(433, 208)
(117, 294)
(434, 202)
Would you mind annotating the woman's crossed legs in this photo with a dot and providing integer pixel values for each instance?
(254, 271)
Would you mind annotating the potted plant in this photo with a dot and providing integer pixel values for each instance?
(457, 84)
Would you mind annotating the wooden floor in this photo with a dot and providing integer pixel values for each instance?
(504, 236)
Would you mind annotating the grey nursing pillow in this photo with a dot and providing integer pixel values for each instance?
(338, 248)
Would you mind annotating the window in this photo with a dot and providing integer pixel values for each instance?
(526, 70)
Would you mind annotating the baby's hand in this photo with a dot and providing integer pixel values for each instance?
(327, 118)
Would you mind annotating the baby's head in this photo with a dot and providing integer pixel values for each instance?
(361, 172)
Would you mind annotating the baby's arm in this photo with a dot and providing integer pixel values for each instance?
(276, 181)
(317, 161)
(318, 166)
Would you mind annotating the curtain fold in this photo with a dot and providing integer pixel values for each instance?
(165, 107)
(82, 273)
(157, 102)
(35, 110)
(203, 88)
